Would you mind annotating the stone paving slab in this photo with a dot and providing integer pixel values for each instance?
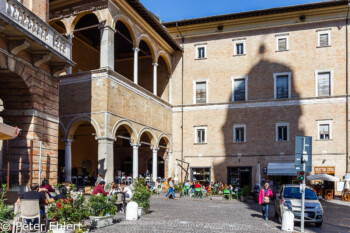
(205, 215)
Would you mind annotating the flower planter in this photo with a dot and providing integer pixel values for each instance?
(99, 222)
(140, 211)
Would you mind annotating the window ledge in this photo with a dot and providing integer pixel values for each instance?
(198, 59)
(324, 140)
(239, 142)
(199, 144)
(239, 55)
(326, 46)
(282, 141)
(278, 51)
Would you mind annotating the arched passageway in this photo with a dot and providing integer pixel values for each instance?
(163, 75)
(86, 44)
(145, 71)
(123, 154)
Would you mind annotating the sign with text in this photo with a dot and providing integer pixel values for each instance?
(303, 143)
(325, 170)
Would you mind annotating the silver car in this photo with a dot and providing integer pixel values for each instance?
(289, 197)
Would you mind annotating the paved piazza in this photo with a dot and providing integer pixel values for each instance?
(194, 215)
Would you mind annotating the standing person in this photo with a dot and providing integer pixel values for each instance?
(171, 189)
(264, 200)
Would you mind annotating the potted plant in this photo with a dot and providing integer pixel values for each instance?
(68, 215)
(245, 193)
(101, 211)
(141, 196)
(6, 214)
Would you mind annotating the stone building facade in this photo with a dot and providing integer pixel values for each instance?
(251, 82)
(32, 55)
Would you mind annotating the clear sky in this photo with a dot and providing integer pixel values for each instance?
(171, 10)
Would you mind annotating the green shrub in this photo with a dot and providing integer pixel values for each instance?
(100, 205)
(246, 190)
(178, 188)
(6, 214)
(68, 212)
(142, 194)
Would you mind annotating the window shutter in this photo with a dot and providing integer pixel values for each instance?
(282, 44)
(324, 87)
(201, 92)
(324, 39)
(239, 90)
(282, 87)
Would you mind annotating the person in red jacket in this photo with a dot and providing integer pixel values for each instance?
(264, 200)
(100, 189)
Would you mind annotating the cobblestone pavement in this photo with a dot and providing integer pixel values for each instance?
(195, 215)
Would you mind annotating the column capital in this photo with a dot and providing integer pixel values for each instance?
(135, 145)
(154, 148)
(106, 27)
(136, 49)
(155, 64)
(107, 139)
(68, 141)
(70, 35)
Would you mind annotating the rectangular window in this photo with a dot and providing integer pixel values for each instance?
(324, 83)
(239, 133)
(239, 90)
(282, 86)
(324, 39)
(201, 52)
(282, 44)
(239, 46)
(325, 130)
(201, 92)
(200, 135)
(282, 132)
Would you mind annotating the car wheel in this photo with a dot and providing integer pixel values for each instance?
(318, 224)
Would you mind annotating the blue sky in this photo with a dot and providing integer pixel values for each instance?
(170, 10)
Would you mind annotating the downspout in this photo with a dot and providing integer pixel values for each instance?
(347, 87)
(182, 98)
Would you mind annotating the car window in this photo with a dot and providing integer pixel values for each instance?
(294, 192)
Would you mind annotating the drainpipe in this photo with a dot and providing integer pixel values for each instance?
(182, 99)
(347, 87)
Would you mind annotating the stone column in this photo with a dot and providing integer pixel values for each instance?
(68, 159)
(155, 65)
(106, 158)
(170, 153)
(155, 163)
(135, 160)
(70, 37)
(170, 100)
(136, 65)
(107, 47)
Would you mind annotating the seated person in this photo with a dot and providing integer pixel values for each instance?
(115, 188)
(126, 191)
(45, 184)
(151, 184)
(62, 196)
(100, 189)
(198, 186)
(187, 186)
(35, 194)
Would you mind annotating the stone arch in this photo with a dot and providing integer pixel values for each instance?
(129, 127)
(150, 134)
(166, 139)
(148, 41)
(81, 15)
(127, 23)
(60, 25)
(166, 58)
(75, 122)
(63, 128)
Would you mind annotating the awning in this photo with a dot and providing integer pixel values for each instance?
(8, 132)
(281, 169)
(323, 176)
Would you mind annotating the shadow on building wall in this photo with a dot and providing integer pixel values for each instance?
(262, 141)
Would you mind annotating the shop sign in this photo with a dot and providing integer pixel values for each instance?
(326, 170)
